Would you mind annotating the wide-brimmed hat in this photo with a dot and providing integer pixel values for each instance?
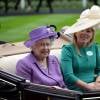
(88, 18)
(40, 33)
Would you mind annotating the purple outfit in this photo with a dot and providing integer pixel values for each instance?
(40, 33)
(31, 70)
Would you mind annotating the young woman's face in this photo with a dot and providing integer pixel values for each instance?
(84, 37)
(42, 48)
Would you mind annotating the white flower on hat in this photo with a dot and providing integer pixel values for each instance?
(85, 14)
(95, 8)
(88, 18)
(92, 13)
(95, 12)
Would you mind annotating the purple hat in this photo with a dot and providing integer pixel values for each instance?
(40, 33)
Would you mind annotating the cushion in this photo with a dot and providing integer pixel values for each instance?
(8, 63)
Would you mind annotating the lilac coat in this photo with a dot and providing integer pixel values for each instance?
(31, 70)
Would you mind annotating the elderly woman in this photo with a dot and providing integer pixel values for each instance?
(38, 66)
(80, 60)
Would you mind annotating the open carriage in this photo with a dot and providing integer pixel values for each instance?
(13, 87)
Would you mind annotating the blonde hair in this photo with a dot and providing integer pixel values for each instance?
(75, 41)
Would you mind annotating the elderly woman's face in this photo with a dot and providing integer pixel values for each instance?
(41, 48)
(84, 37)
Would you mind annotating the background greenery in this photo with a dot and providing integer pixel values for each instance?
(56, 4)
(16, 28)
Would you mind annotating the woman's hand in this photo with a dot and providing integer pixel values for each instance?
(91, 86)
(97, 83)
(98, 79)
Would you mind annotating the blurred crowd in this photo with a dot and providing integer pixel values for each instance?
(18, 3)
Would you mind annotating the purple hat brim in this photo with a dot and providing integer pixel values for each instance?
(30, 42)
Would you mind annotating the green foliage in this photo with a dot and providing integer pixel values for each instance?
(16, 28)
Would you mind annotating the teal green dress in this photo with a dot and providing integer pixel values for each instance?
(83, 66)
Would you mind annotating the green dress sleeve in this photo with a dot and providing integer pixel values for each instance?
(66, 65)
(98, 60)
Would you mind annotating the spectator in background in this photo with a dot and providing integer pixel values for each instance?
(49, 4)
(66, 37)
(18, 2)
(80, 60)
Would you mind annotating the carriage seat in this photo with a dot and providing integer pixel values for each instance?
(8, 62)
